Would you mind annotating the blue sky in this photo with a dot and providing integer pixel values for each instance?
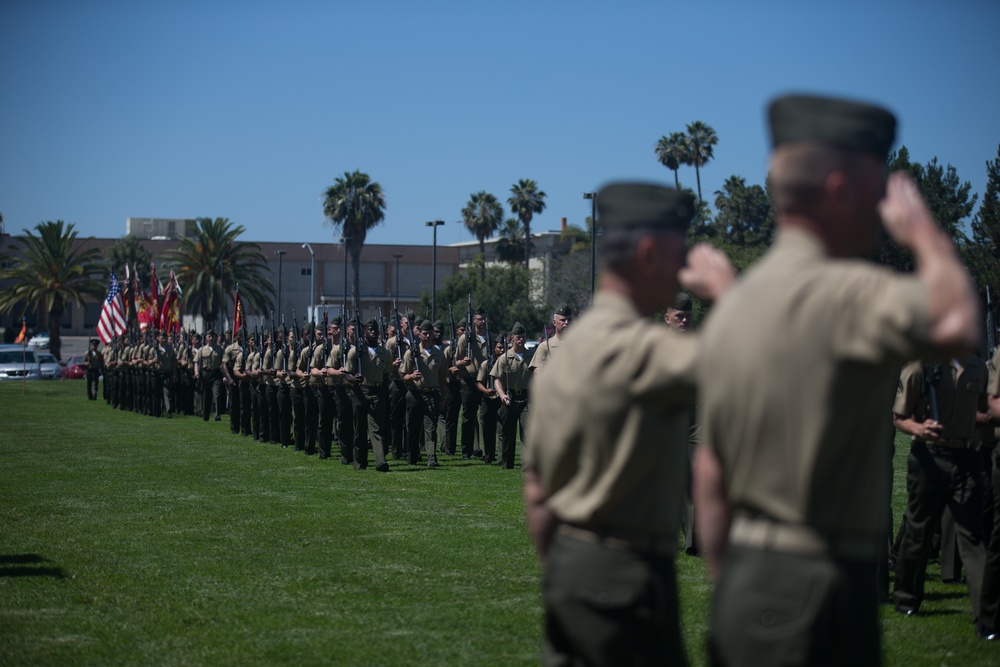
(248, 110)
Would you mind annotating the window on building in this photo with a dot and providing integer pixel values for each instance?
(307, 271)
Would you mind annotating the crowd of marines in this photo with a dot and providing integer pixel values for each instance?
(334, 388)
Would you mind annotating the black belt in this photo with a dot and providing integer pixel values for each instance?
(517, 393)
(952, 443)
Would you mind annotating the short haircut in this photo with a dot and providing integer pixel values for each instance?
(798, 173)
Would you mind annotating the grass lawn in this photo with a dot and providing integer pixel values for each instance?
(131, 540)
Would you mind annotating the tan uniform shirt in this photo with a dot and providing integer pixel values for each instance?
(473, 347)
(431, 365)
(164, 359)
(607, 432)
(960, 392)
(93, 360)
(993, 388)
(376, 364)
(545, 350)
(229, 357)
(796, 373)
(512, 371)
(267, 365)
(209, 358)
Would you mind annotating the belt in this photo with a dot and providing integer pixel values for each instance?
(952, 443)
(799, 539)
(517, 393)
(623, 540)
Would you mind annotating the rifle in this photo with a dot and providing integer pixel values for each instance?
(545, 329)
(359, 335)
(326, 334)
(489, 342)
(454, 331)
(284, 345)
(932, 375)
(381, 327)
(991, 329)
(399, 332)
(243, 349)
(274, 342)
(470, 330)
(298, 334)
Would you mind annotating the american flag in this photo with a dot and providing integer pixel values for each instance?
(112, 322)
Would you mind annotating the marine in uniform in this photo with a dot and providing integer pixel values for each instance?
(511, 377)
(937, 404)
(560, 320)
(243, 385)
(796, 372)
(489, 410)
(373, 366)
(164, 361)
(208, 368)
(605, 450)
(424, 372)
(94, 361)
(470, 355)
(396, 413)
(452, 390)
(229, 357)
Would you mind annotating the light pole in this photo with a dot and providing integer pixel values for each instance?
(280, 254)
(343, 312)
(434, 224)
(396, 284)
(222, 289)
(312, 280)
(592, 196)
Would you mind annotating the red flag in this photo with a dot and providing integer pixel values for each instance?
(170, 320)
(24, 332)
(112, 321)
(237, 312)
(154, 287)
(145, 311)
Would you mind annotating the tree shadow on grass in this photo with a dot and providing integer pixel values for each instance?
(28, 565)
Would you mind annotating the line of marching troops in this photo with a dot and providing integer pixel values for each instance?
(325, 386)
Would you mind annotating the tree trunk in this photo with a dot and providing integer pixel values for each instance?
(697, 174)
(55, 323)
(677, 181)
(527, 241)
(482, 251)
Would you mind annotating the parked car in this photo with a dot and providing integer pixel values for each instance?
(74, 368)
(39, 340)
(19, 363)
(50, 366)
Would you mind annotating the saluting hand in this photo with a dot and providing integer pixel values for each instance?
(904, 211)
(709, 274)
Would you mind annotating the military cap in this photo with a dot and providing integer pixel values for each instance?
(682, 302)
(372, 322)
(95, 341)
(410, 315)
(462, 323)
(564, 310)
(518, 329)
(852, 126)
(210, 332)
(623, 206)
(480, 311)
(426, 326)
(336, 320)
(438, 324)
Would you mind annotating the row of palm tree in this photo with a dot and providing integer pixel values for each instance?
(52, 268)
(693, 148)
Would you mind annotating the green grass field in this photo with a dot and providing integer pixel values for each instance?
(126, 540)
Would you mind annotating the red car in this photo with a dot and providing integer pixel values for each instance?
(74, 368)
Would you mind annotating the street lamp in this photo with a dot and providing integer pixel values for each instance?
(592, 196)
(312, 280)
(434, 224)
(343, 312)
(280, 254)
(396, 285)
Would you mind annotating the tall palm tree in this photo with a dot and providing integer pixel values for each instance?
(354, 204)
(51, 270)
(525, 201)
(482, 216)
(510, 246)
(210, 264)
(700, 139)
(672, 152)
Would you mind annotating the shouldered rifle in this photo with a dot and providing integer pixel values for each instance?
(383, 338)
(454, 332)
(326, 334)
(932, 376)
(991, 329)
(489, 342)
(297, 333)
(399, 332)
(284, 345)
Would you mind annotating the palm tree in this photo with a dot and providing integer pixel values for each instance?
(211, 263)
(51, 270)
(525, 200)
(700, 139)
(482, 216)
(129, 251)
(510, 246)
(354, 204)
(672, 152)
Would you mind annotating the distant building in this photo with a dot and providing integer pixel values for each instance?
(160, 229)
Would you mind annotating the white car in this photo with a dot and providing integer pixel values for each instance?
(39, 340)
(19, 363)
(51, 368)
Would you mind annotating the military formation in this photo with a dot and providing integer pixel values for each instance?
(356, 391)
(767, 436)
